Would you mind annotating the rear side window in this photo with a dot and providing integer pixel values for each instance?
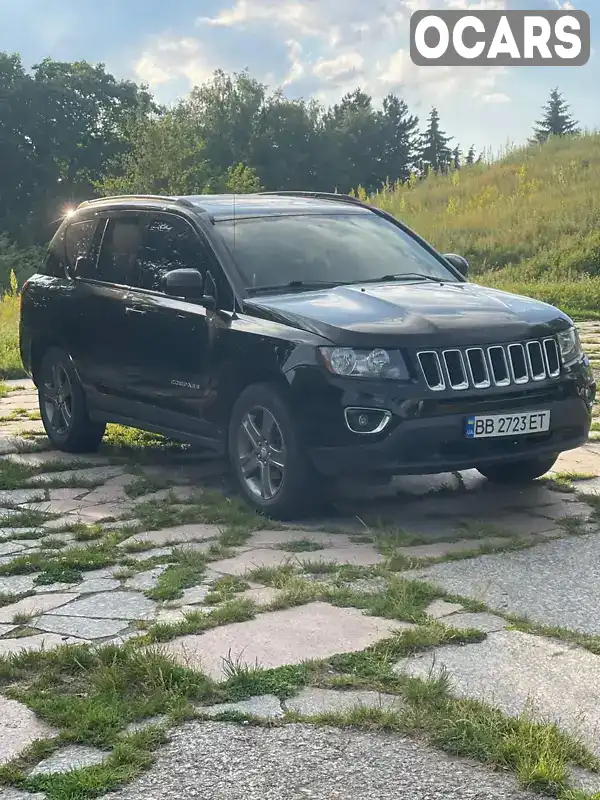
(119, 255)
(55, 259)
(169, 244)
(78, 240)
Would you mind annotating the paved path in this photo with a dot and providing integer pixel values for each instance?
(129, 517)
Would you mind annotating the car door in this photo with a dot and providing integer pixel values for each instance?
(103, 286)
(169, 345)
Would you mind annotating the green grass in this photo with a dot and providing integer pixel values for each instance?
(301, 546)
(11, 365)
(529, 224)
(187, 571)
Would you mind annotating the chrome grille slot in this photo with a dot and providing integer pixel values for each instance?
(535, 357)
(478, 368)
(552, 357)
(518, 363)
(455, 369)
(499, 366)
(432, 370)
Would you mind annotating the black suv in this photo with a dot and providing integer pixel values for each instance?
(308, 336)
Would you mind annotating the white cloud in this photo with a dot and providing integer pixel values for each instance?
(170, 58)
(495, 97)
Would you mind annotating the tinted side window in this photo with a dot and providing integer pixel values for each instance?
(55, 259)
(78, 240)
(169, 244)
(119, 254)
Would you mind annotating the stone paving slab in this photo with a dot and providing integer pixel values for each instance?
(518, 672)
(17, 794)
(80, 627)
(555, 583)
(16, 584)
(231, 762)
(99, 474)
(312, 702)
(42, 641)
(35, 605)
(111, 605)
(180, 534)
(55, 456)
(12, 497)
(69, 758)
(273, 639)
(19, 728)
(264, 707)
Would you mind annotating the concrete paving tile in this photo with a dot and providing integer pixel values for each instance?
(181, 534)
(262, 597)
(519, 672)
(99, 474)
(14, 497)
(54, 456)
(35, 605)
(16, 584)
(357, 555)
(69, 758)
(144, 581)
(17, 794)
(43, 641)
(312, 702)
(481, 621)
(252, 559)
(80, 627)
(442, 549)
(11, 548)
(262, 539)
(264, 707)
(19, 728)
(111, 605)
(555, 583)
(306, 761)
(440, 609)
(313, 631)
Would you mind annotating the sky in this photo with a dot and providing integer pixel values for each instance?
(310, 48)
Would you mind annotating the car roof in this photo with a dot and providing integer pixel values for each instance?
(228, 206)
(239, 206)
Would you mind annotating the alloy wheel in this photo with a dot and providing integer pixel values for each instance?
(261, 453)
(58, 399)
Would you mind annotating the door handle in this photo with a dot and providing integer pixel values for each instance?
(130, 310)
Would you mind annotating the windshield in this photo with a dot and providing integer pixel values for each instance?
(329, 249)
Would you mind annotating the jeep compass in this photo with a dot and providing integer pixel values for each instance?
(305, 336)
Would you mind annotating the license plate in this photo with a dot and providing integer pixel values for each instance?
(507, 424)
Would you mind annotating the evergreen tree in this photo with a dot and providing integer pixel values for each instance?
(434, 151)
(471, 155)
(456, 156)
(556, 120)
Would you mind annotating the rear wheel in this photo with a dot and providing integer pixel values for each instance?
(267, 455)
(63, 408)
(523, 471)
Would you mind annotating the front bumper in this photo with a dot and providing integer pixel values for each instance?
(427, 445)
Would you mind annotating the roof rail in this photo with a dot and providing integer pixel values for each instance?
(182, 201)
(340, 198)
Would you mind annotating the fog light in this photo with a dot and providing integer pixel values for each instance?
(367, 420)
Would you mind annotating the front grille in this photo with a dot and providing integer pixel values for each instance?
(513, 364)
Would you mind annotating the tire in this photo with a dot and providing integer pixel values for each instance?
(63, 407)
(262, 427)
(515, 472)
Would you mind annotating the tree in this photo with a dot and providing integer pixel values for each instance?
(434, 151)
(471, 155)
(556, 120)
(167, 156)
(456, 156)
(397, 133)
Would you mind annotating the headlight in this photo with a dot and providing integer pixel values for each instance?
(570, 346)
(376, 363)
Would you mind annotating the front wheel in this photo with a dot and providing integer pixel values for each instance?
(268, 459)
(524, 471)
(63, 408)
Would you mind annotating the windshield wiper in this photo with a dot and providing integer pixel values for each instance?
(295, 285)
(400, 276)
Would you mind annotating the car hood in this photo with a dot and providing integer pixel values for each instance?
(397, 314)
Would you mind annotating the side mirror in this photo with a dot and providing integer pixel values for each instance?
(458, 262)
(189, 284)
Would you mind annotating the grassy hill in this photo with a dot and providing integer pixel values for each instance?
(528, 224)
